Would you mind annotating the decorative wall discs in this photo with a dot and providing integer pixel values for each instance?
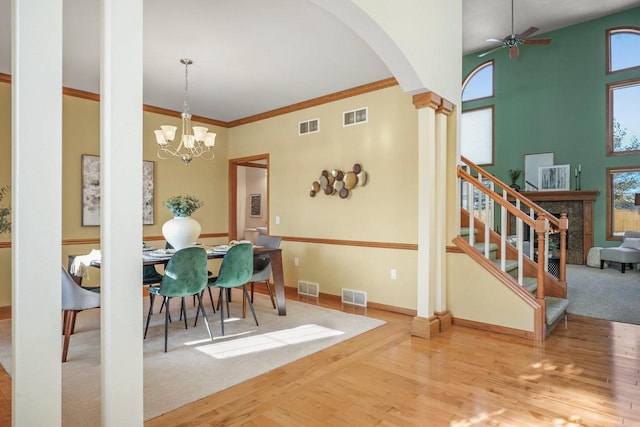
(338, 182)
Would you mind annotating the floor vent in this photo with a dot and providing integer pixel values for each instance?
(349, 296)
(308, 288)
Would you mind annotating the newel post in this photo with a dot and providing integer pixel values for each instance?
(564, 227)
(541, 226)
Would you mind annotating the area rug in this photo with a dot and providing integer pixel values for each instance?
(194, 367)
(604, 294)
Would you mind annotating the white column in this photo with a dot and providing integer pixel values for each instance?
(121, 210)
(36, 193)
(427, 197)
(441, 205)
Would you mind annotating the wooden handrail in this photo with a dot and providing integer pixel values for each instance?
(497, 198)
(552, 218)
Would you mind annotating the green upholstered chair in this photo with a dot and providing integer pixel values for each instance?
(236, 269)
(152, 277)
(75, 298)
(184, 275)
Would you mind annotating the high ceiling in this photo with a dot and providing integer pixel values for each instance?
(252, 56)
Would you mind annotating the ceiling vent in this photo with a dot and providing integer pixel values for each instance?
(355, 117)
(310, 126)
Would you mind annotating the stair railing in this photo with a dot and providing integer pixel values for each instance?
(482, 191)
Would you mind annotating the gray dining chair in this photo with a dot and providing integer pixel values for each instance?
(75, 298)
(262, 266)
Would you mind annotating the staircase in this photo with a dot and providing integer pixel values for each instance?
(492, 232)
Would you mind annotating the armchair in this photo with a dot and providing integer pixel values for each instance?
(628, 253)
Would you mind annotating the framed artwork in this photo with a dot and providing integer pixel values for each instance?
(553, 178)
(91, 191)
(255, 205)
(532, 163)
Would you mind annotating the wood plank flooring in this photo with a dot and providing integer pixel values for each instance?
(585, 375)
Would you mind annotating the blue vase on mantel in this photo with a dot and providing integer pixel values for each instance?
(181, 231)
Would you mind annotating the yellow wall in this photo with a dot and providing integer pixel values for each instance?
(5, 178)
(474, 294)
(384, 210)
(204, 179)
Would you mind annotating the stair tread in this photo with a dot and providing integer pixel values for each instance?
(555, 307)
(530, 284)
(480, 246)
(464, 231)
(509, 265)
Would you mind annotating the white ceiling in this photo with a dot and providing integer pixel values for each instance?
(252, 56)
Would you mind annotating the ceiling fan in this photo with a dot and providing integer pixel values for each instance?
(514, 41)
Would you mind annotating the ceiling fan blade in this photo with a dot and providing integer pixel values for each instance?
(496, 40)
(514, 52)
(537, 41)
(528, 32)
(490, 51)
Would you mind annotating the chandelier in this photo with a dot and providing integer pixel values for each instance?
(194, 142)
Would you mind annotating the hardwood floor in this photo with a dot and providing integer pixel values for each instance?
(585, 375)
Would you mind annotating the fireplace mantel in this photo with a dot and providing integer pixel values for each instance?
(561, 196)
(546, 199)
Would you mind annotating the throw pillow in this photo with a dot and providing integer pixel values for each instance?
(631, 243)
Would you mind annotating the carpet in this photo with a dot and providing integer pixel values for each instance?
(194, 367)
(604, 294)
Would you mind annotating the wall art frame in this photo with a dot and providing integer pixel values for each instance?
(255, 205)
(554, 178)
(91, 191)
(532, 163)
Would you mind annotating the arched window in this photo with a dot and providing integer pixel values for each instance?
(623, 96)
(479, 83)
(623, 48)
(476, 134)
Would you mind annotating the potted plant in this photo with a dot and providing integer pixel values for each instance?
(514, 174)
(181, 206)
(5, 224)
(182, 231)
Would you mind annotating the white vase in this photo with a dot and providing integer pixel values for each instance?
(181, 231)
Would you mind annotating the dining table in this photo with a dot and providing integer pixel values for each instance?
(162, 257)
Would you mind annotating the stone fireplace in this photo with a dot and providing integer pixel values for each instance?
(578, 205)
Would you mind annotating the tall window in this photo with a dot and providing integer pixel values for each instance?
(623, 183)
(623, 49)
(623, 105)
(476, 126)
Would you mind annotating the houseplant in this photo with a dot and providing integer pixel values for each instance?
(182, 231)
(181, 206)
(514, 174)
(5, 224)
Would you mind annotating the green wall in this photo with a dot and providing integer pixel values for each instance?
(552, 98)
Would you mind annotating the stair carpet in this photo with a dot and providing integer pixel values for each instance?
(555, 308)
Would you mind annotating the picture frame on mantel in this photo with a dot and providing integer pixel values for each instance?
(532, 163)
(554, 178)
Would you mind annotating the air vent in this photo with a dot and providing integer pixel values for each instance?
(355, 117)
(308, 288)
(349, 296)
(310, 126)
